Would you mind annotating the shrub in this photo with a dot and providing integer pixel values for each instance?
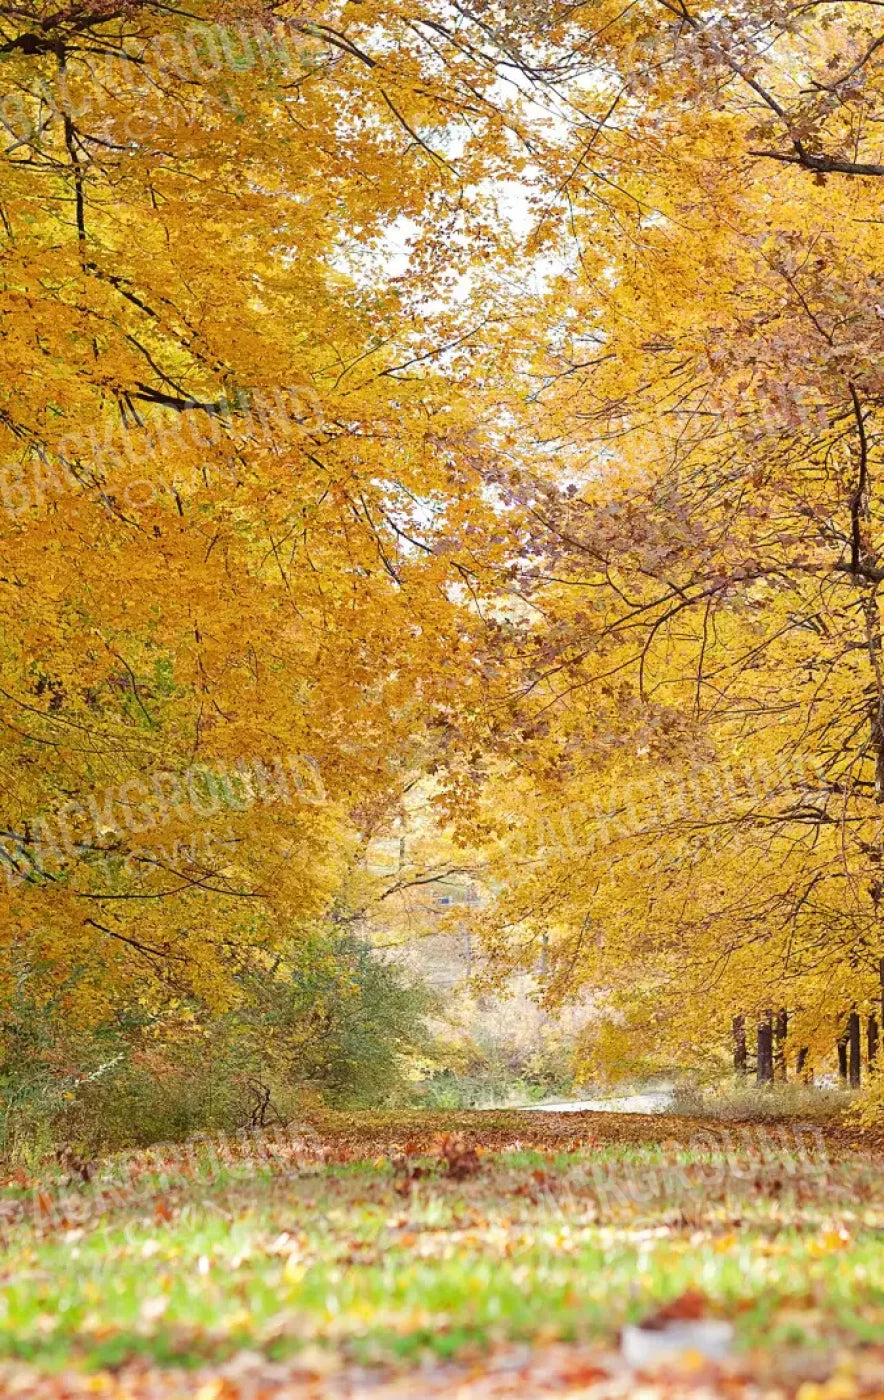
(745, 1101)
(343, 1023)
(329, 1022)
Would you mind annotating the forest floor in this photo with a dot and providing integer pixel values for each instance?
(458, 1255)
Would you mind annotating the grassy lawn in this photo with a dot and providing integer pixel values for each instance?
(379, 1242)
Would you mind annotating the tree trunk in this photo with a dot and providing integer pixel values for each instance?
(842, 1055)
(853, 1039)
(740, 1052)
(467, 951)
(764, 1074)
(872, 1040)
(802, 1068)
(781, 1031)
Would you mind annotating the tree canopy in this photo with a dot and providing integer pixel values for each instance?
(482, 396)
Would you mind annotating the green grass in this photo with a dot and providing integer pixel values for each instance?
(566, 1242)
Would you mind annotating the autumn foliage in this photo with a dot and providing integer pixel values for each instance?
(482, 399)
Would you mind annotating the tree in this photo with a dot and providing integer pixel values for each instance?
(245, 501)
(698, 699)
(579, 521)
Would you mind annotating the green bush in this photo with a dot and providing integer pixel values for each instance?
(342, 1023)
(328, 1022)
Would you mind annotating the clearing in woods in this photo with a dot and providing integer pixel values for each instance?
(468, 1254)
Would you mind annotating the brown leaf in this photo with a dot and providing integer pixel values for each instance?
(689, 1307)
